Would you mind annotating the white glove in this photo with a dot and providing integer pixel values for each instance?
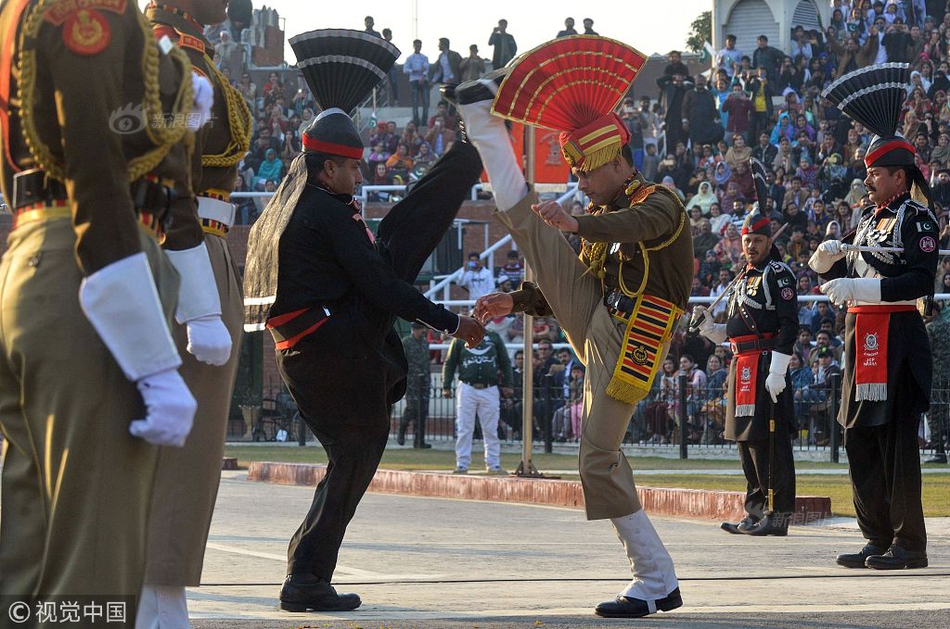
(209, 340)
(199, 306)
(841, 291)
(169, 409)
(775, 382)
(715, 332)
(202, 102)
(828, 252)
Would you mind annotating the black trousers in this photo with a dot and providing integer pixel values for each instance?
(884, 462)
(341, 379)
(754, 456)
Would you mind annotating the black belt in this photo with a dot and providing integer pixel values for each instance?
(149, 194)
(478, 385)
(751, 346)
(616, 301)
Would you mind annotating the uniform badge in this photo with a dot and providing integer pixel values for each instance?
(86, 32)
(870, 342)
(927, 244)
(746, 374)
(788, 294)
(639, 355)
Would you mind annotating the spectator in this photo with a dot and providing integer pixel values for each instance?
(715, 378)
(418, 386)
(472, 66)
(476, 279)
(392, 77)
(704, 197)
(513, 268)
(272, 89)
(248, 90)
(448, 68)
(417, 67)
(378, 154)
(400, 161)
(768, 58)
(566, 423)
(370, 23)
(568, 28)
(504, 46)
(801, 44)
(700, 114)
(423, 161)
(651, 161)
(672, 92)
(411, 139)
(439, 138)
(479, 369)
(717, 219)
(589, 26)
(730, 247)
(226, 49)
(739, 109)
(271, 169)
(728, 58)
(739, 153)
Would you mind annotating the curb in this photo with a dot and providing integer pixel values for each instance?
(690, 503)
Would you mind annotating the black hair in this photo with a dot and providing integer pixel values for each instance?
(315, 161)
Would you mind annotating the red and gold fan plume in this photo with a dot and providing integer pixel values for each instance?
(573, 84)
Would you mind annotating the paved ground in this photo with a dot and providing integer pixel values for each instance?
(452, 564)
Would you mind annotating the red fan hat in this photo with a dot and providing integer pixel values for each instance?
(572, 85)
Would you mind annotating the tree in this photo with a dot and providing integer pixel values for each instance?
(700, 32)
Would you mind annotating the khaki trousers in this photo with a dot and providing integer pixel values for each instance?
(186, 485)
(576, 297)
(76, 485)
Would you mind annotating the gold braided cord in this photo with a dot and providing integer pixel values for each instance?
(239, 123)
(163, 136)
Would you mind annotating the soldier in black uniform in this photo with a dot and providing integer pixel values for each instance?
(888, 374)
(761, 328)
(329, 290)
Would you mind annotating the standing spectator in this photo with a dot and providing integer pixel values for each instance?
(417, 67)
(418, 386)
(226, 48)
(480, 369)
(672, 92)
(739, 108)
(729, 57)
(675, 65)
(513, 268)
(392, 77)
(476, 279)
(448, 68)
(472, 66)
(589, 27)
(568, 28)
(567, 419)
(800, 45)
(439, 137)
(369, 23)
(767, 57)
(700, 114)
(504, 44)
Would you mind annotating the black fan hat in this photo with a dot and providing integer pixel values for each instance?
(873, 96)
(341, 67)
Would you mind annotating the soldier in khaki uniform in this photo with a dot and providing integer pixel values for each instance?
(86, 357)
(188, 477)
(619, 302)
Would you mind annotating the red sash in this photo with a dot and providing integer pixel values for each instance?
(747, 376)
(870, 349)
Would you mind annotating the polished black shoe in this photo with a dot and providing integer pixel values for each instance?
(939, 457)
(628, 607)
(859, 559)
(897, 558)
(423, 446)
(742, 526)
(305, 592)
(773, 524)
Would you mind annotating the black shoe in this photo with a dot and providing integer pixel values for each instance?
(739, 527)
(423, 446)
(897, 558)
(859, 559)
(475, 91)
(628, 607)
(939, 457)
(773, 524)
(401, 439)
(305, 592)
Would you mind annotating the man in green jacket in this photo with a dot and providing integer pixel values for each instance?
(480, 369)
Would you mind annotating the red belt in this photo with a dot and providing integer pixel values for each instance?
(287, 329)
(881, 308)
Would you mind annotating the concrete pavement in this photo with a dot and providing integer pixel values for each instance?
(440, 563)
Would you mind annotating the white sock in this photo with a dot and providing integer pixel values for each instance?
(653, 574)
(162, 607)
(490, 137)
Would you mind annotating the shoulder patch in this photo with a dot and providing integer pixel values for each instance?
(926, 226)
(788, 293)
(86, 32)
(58, 12)
(927, 244)
(190, 42)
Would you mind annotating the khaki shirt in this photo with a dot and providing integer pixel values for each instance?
(87, 76)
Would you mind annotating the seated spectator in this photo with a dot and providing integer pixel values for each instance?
(380, 135)
(513, 267)
(272, 89)
(703, 198)
(709, 268)
(730, 247)
(400, 160)
(739, 153)
(732, 195)
(380, 178)
(424, 158)
(439, 137)
(718, 220)
(669, 183)
(411, 139)
(783, 129)
(716, 377)
(248, 90)
(705, 240)
(271, 169)
(378, 154)
(742, 176)
(245, 210)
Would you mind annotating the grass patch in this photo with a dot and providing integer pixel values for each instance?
(936, 487)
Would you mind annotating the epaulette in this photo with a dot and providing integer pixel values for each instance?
(190, 42)
(164, 30)
(779, 266)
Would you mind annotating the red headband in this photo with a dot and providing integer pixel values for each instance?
(330, 148)
(884, 149)
(759, 224)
